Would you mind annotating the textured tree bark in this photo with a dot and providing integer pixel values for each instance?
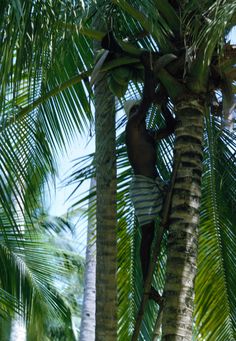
(184, 219)
(106, 303)
(87, 328)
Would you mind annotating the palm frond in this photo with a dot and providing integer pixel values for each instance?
(206, 24)
(9, 305)
(215, 293)
(39, 60)
(136, 20)
(27, 268)
(32, 35)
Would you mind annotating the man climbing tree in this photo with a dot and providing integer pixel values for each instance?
(147, 188)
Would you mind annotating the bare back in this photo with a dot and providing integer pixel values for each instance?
(141, 148)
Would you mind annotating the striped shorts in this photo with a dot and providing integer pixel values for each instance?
(147, 197)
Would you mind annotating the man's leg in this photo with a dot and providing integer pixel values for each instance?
(145, 248)
(145, 255)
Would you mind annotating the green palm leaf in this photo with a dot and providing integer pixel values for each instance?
(215, 293)
(38, 117)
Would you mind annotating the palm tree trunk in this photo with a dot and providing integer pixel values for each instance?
(183, 227)
(87, 328)
(106, 304)
(18, 330)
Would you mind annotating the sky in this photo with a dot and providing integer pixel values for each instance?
(82, 146)
(60, 202)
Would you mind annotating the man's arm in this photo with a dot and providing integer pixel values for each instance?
(162, 133)
(148, 88)
(170, 124)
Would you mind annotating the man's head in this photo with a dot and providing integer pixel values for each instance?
(131, 106)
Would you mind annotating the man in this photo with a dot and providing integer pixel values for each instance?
(146, 188)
